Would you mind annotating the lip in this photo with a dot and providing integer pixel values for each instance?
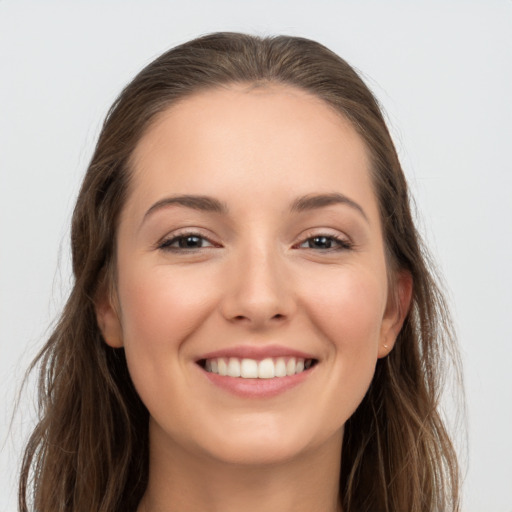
(257, 352)
(256, 388)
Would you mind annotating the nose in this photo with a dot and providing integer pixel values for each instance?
(258, 292)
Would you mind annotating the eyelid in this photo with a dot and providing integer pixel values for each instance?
(343, 241)
(165, 242)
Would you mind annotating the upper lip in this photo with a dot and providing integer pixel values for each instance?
(257, 352)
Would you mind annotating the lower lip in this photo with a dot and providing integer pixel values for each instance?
(257, 388)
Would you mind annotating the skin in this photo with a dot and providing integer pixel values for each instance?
(260, 278)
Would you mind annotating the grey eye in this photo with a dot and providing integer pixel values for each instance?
(187, 241)
(325, 243)
(190, 242)
(320, 242)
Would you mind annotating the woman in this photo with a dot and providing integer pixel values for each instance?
(253, 324)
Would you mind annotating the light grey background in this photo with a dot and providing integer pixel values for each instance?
(443, 72)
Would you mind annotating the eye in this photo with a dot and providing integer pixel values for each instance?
(184, 242)
(325, 243)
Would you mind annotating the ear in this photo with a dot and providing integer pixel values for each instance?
(107, 317)
(399, 301)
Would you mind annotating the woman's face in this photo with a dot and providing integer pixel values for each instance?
(250, 242)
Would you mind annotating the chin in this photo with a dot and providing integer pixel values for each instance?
(266, 445)
(254, 453)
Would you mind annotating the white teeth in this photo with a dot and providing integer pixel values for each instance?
(246, 368)
(234, 367)
(222, 366)
(249, 369)
(290, 366)
(266, 369)
(280, 369)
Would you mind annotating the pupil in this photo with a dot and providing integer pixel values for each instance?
(321, 242)
(190, 242)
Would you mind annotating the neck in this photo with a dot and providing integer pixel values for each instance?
(183, 482)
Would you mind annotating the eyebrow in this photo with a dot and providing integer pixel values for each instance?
(210, 204)
(202, 203)
(314, 201)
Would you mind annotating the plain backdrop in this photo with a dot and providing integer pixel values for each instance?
(443, 73)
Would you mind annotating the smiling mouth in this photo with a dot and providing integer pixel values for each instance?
(246, 368)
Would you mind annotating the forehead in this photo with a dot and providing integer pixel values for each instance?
(260, 112)
(256, 137)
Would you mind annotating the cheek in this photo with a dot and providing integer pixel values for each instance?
(349, 309)
(348, 317)
(160, 309)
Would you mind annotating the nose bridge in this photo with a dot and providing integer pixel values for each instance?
(257, 291)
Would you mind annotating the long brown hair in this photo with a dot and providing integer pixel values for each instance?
(89, 451)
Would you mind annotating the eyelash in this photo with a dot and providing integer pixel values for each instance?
(342, 243)
(167, 245)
